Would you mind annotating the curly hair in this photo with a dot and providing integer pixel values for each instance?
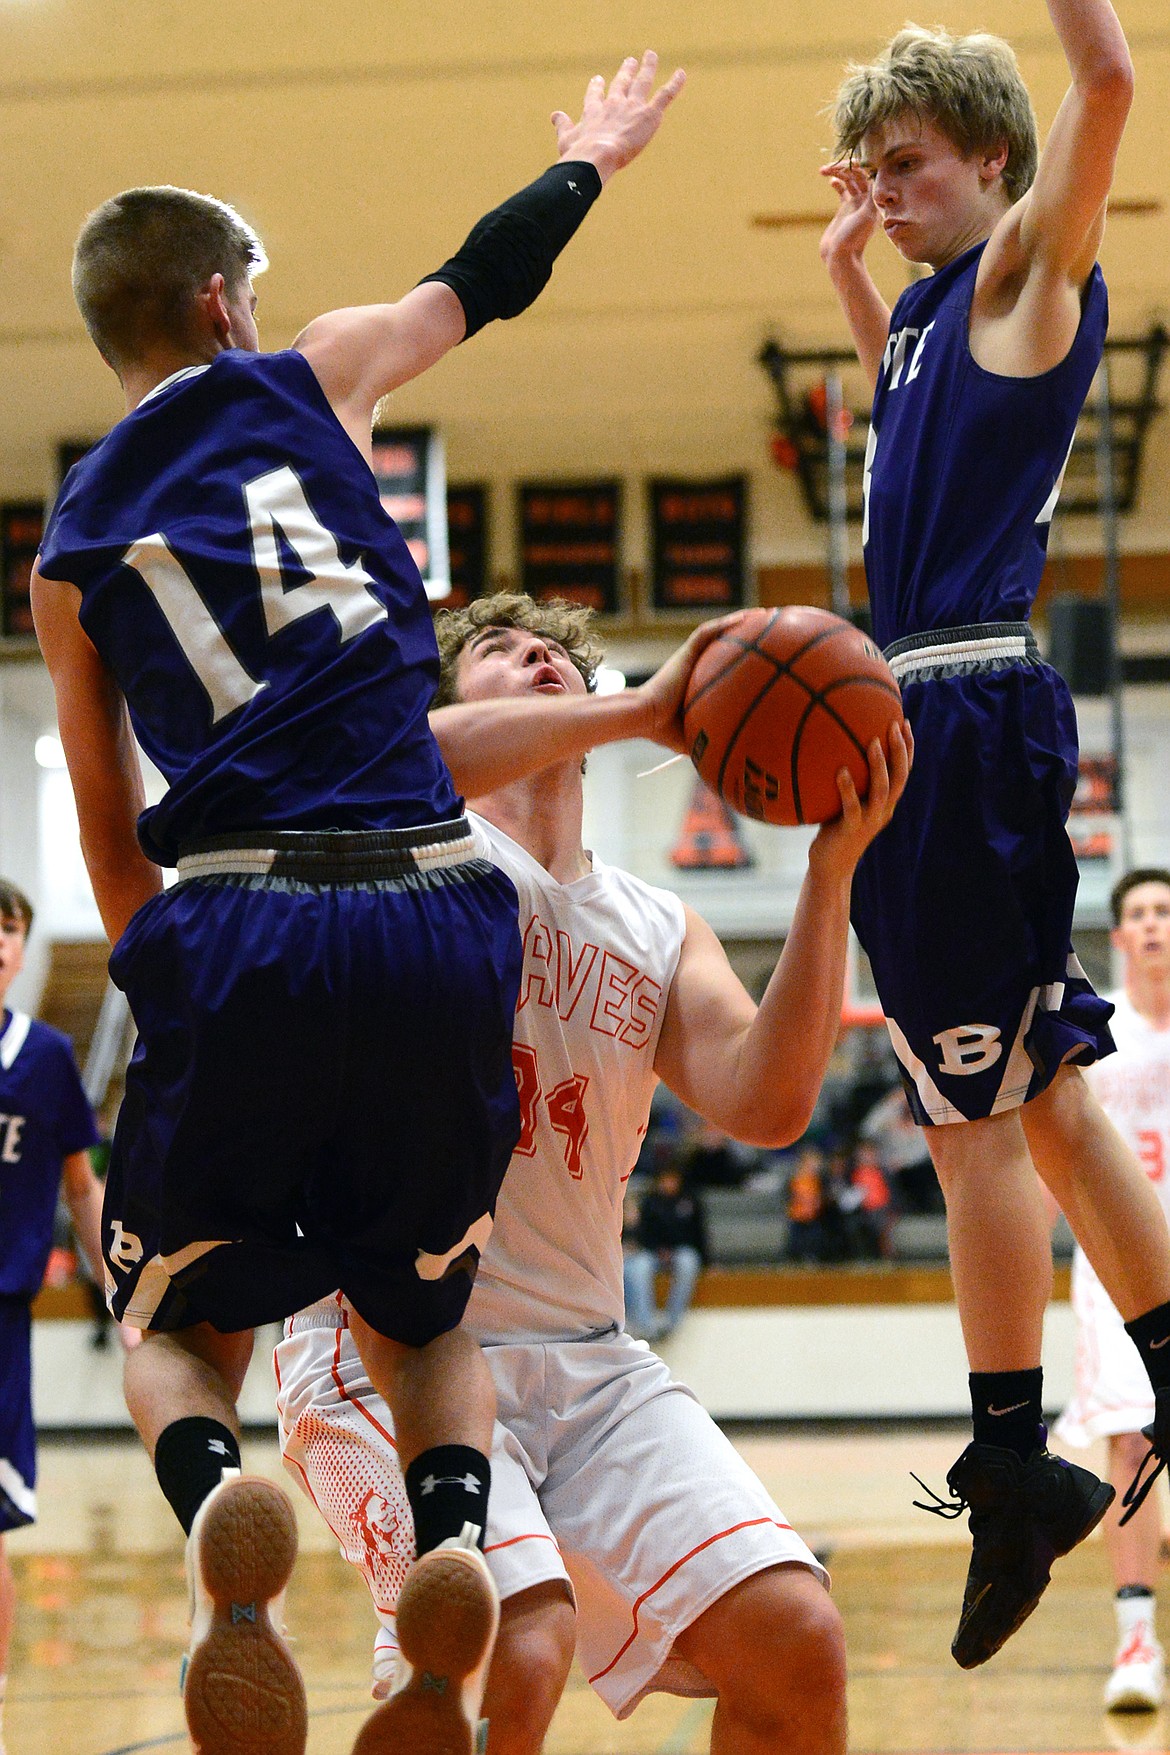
(555, 619)
(969, 87)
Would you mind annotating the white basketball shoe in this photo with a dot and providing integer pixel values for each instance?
(448, 1613)
(242, 1690)
(1138, 1681)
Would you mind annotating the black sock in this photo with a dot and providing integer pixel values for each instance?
(189, 1459)
(447, 1487)
(1005, 1409)
(1150, 1334)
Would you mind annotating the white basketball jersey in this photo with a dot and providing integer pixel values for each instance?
(1133, 1087)
(599, 958)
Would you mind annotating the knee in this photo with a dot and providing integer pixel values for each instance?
(777, 1653)
(528, 1673)
(800, 1669)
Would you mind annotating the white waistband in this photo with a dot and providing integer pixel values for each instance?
(1005, 649)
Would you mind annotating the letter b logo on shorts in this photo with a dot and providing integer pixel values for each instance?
(125, 1249)
(969, 1048)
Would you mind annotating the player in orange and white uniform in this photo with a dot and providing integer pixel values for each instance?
(621, 1520)
(1113, 1398)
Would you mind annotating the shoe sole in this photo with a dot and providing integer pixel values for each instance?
(243, 1693)
(446, 1622)
(1099, 1504)
(1134, 1701)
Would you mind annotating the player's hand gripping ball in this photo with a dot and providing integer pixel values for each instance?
(779, 703)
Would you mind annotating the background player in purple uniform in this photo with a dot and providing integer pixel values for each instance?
(218, 574)
(45, 1126)
(965, 905)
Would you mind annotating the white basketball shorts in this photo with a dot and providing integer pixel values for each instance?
(1112, 1391)
(606, 1474)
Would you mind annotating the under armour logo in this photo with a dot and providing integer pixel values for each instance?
(125, 1248)
(468, 1482)
(438, 1684)
(969, 1048)
(243, 1612)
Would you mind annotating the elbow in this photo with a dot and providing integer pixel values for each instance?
(1109, 82)
(779, 1123)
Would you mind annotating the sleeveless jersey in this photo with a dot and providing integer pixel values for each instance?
(599, 958)
(44, 1118)
(259, 610)
(963, 466)
(1133, 1087)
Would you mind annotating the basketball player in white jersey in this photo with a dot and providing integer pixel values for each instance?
(613, 1493)
(1113, 1399)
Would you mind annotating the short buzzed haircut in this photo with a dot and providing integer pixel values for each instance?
(141, 258)
(15, 905)
(969, 87)
(1145, 874)
(555, 619)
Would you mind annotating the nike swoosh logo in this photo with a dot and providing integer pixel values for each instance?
(1016, 1406)
(1154, 1345)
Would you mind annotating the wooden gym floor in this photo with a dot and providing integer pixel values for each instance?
(102, 1618)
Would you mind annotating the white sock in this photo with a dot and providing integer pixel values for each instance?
(1132, 1612)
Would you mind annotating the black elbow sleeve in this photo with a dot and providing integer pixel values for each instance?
(508, 257)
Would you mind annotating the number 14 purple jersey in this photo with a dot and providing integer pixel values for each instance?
(963, 466)
(259, 610)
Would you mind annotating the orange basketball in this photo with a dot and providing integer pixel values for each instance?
(779, 703)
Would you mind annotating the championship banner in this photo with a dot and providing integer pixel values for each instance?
(21, 526)
(698, 540)
(467, 537)
(411, 472)
(569, 541)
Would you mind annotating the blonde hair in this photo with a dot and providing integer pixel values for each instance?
(566, 623)
(142, 256)
(969, 87)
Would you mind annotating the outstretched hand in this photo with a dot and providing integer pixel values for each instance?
(856, 218)
(617, 123)
(841, 842)
(662, 697)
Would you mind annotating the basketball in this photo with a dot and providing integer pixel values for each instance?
(782, 701)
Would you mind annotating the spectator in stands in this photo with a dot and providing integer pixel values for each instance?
(713, 1160)
(805, 1205)
(875, 1211)
(903, 1153)
(670, 1238)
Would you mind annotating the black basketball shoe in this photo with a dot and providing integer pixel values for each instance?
(1024, 1515)
(1157, 1433)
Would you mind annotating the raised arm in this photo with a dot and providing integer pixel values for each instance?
(492, 743)
(1061, 218)
(843, 254)
(362, 353)
(756, 1072)
(101, 755)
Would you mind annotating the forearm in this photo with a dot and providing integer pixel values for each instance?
(866, 312)
(493, 743)
(787, 1049)
(84, 1199)
(122, 877)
